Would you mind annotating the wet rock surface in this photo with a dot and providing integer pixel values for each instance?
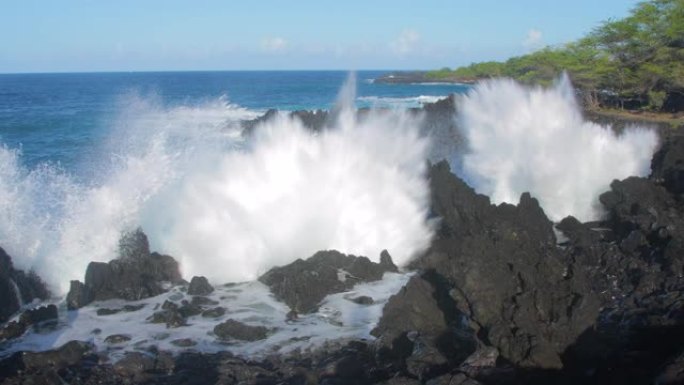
(314, 120)
(503, 271)
(27, 319)
(303, 284)
(17, 287)
(232, 329)
(134, 275)
(199, 286)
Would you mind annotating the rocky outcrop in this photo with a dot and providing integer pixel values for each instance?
(199, 286)
(45, 367)
(421, 332)
(635, 260)
(668, 165)
(27, 319)
(303, 284)
(604, 307)
(17, 287)
(314, 120)
(134, 275)
(506, 274)
(236, 330)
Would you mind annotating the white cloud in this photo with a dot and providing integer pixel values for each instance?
(274, 44)
(406, 42)
(533, 39)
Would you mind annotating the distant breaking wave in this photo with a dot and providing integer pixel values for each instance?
(387, 102)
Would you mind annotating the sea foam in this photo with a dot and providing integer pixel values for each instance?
(226, 205)
(532, 139)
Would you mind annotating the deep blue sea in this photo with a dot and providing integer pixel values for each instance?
(60, 118)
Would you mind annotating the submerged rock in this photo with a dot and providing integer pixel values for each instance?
(303, 284)
(363, 300)
(214, 312)
(171, 317)
(184, 342)
(117, 339)
(135, 275)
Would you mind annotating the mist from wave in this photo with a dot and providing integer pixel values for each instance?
(532, 139)
(227, 206)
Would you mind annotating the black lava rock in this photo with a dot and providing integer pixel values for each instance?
(199, 286)
(28, 318)
(135, 275)
(79, 295)
(214, 312)
(117, 339)
(17, 287)
(303, 284)
(232, 329)
(668, 165)
(504, 272)
(171, 317)
(363, 300)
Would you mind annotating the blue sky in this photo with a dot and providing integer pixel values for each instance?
(147, 35)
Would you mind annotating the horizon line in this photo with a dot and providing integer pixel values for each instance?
(231, 70)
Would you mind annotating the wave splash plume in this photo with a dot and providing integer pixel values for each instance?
(536, 140)
(227, 206)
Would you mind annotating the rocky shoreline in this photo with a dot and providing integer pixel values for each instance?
(499, 298)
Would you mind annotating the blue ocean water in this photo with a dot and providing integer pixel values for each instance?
(60, 118)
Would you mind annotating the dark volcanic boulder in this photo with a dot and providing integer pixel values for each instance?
(17, 287)
(136, 274)
(668, 165)
(28, 318)
(199, 286)
(303, 284)
(422, 331)
(314, 120)
(79, 295)
(232, 329)
(506, 273)
(43, 367)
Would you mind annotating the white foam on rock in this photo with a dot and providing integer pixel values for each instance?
(251, 303)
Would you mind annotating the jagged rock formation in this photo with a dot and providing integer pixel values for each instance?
(134, 275)
(503, 270)
(303, 284)
(199, 286)
(17, 287)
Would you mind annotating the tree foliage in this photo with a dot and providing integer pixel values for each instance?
(635, 62)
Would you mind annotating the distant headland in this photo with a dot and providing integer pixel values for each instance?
(631, 66)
